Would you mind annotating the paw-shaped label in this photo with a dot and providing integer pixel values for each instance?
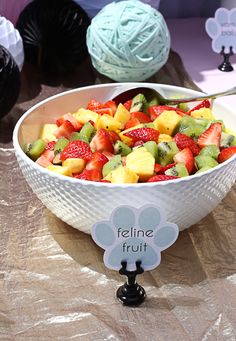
(133, 235)
(222, 30)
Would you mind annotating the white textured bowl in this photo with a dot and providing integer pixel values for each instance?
(81, 203)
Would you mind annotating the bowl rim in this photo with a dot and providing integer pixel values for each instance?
(64, 178)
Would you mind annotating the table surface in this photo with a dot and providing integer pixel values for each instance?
(53, 284)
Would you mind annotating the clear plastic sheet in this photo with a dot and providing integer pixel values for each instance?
(54, 286)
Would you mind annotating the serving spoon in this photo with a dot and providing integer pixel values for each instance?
(150, 94)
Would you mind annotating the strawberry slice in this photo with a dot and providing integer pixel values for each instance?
(68, 117)
(89, 174)
(112, 105)
(49, 154)
(138, 143)
(113, 136)
(65, 130)
(204, 104)
(107, 181)
(43, 161)
(141, 116)
(226, 153)
(161, 169)
(144, 134)
(97, 161)
(128, 104)
(156, 110)
(132, 123)
(50, 145)
(211, 136)
(186, 157)
(104, 111)
(157, 168)
(77, 149)
(162, 177)
(93, 105)
(102, 142)
(184, 141)
(108, 155)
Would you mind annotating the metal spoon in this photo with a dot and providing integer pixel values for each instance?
(150, 93)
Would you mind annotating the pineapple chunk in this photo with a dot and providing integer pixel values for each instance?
(60, 170)
(47, 132)
(122, 175)
(126, 139)
(141, 162)
(84, 115)
(75, 165)
(164, 138)
(108, 122)
(167, 122)
(203, 113)
(122, 115)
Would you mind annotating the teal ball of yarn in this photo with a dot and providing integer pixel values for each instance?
(128, 41)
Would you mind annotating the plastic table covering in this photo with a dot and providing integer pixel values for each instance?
(53, 284)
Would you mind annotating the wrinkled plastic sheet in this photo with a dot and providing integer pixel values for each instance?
(54, 286)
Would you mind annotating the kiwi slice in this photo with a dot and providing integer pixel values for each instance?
(149, 125)
(137, 103)
(35, 149)
(192, 130)
(210, 150)
(178, 170)
(86, 132)
(205, 160)
(233, 143)
(226, 140)
(75, 136)
(60, 145)
(112, 164)
(183, 106)
(166, 152)
(203, 122)
(122, 148)
(203, 169)
(151, 147)
(149, 103)
(189, 126)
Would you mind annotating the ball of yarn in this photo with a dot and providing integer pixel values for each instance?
(54, 35)
(11, 40)
(9, 81)
(128, 41)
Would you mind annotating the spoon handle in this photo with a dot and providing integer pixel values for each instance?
(173, 101)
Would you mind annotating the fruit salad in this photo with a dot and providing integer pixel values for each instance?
(132, 142)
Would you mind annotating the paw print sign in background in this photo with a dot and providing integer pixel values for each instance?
(134, 234)
(222, 30)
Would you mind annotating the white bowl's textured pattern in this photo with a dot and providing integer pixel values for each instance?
(81, 205)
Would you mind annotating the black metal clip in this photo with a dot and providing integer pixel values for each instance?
(226, 65)
(131, 293)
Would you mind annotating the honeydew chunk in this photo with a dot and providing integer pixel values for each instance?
(141, 162)
(108, 122)
(205, 113)
(167, 122)
(60, 170)
(75, 165)
(122, 175)
(85, 115)
(122, 115)
(47, 132)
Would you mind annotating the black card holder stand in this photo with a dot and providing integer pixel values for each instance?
(131, 293)
(226, 65)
